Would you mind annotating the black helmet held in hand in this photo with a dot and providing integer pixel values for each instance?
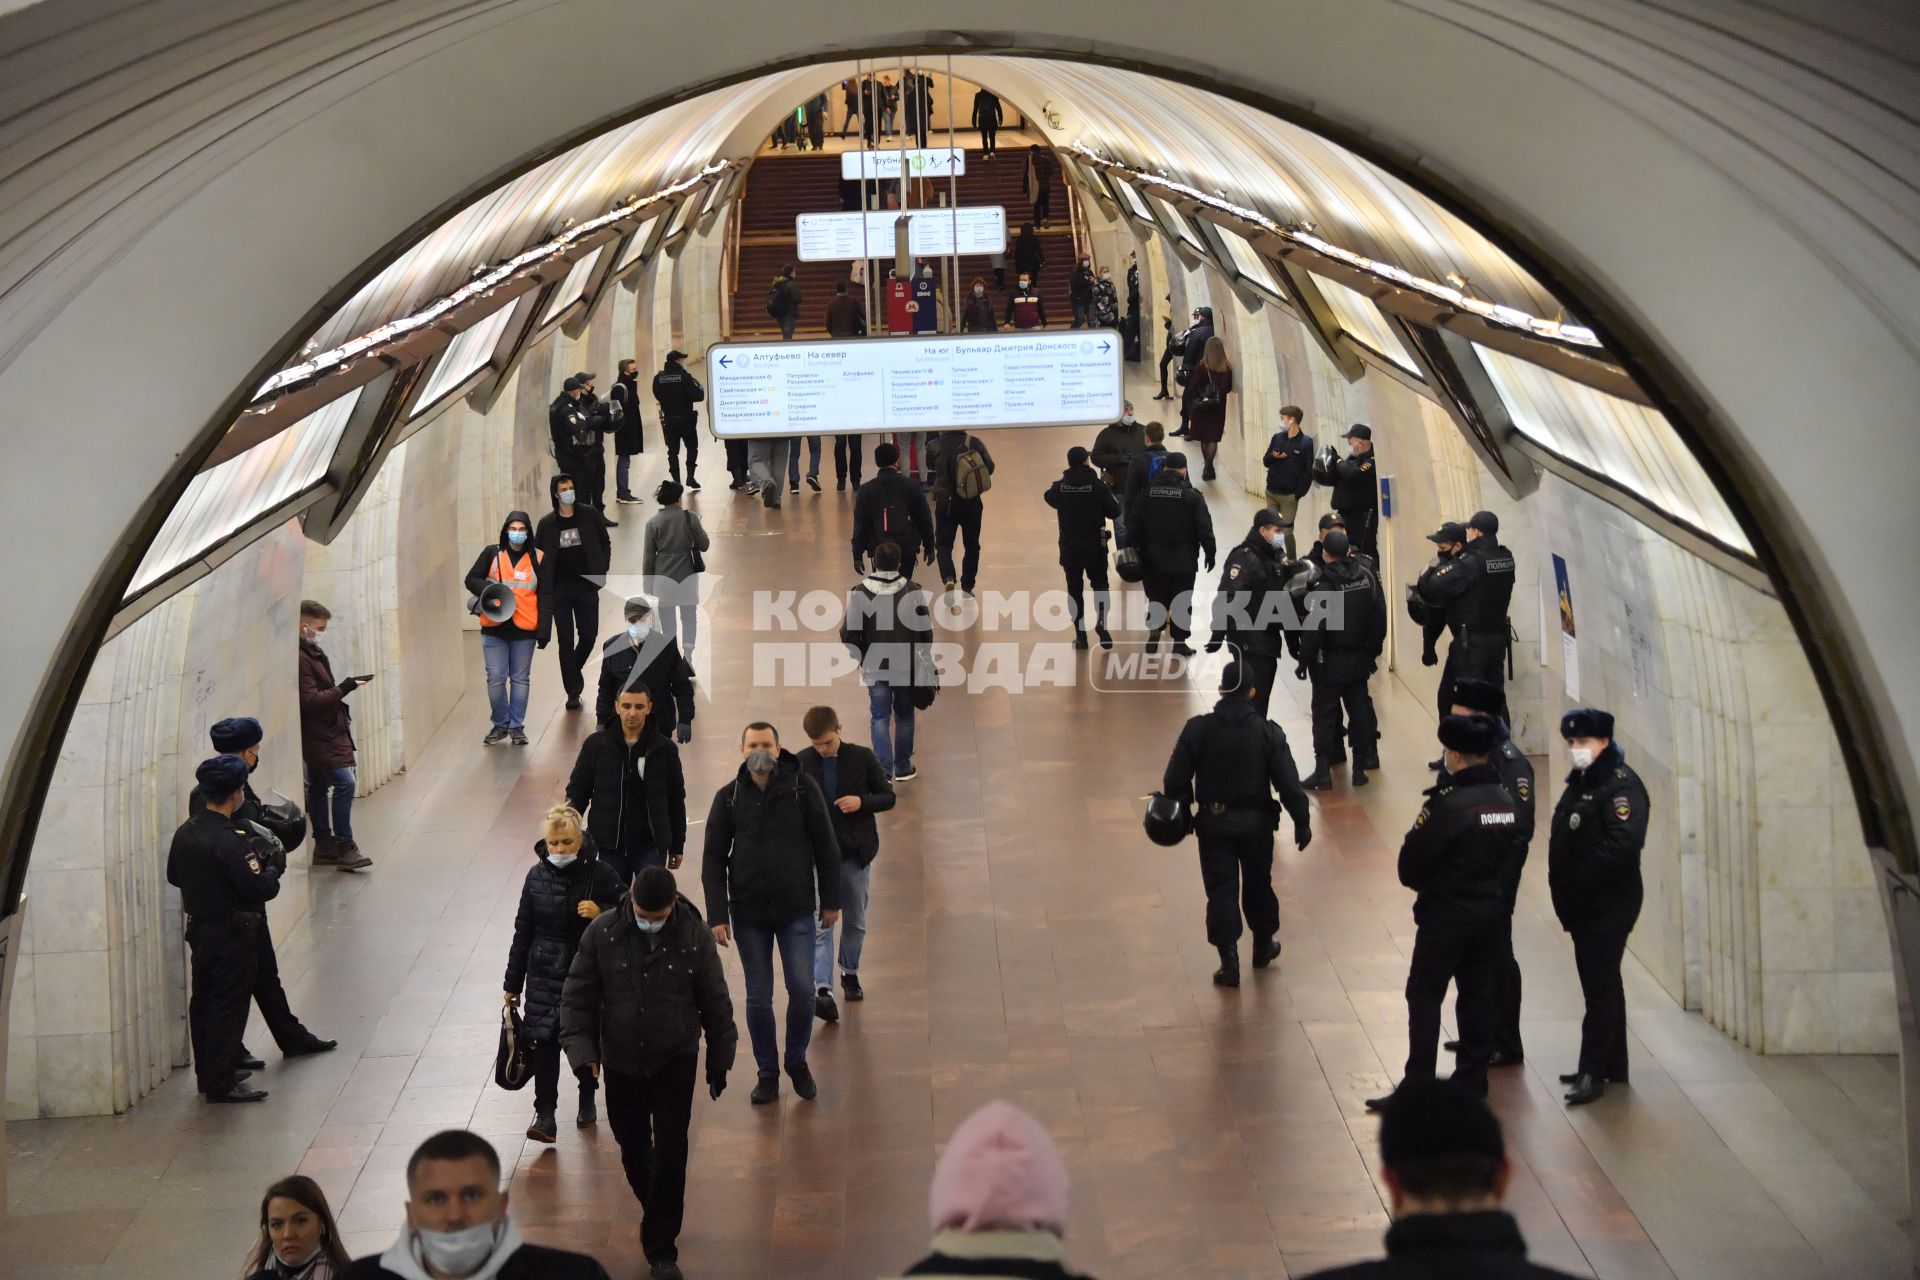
(1168, 820)
(287, 823)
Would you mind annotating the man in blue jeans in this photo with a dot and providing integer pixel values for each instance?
(793, 463)
(770, 857)
(856, 788)
(889, 629)
(326, 746)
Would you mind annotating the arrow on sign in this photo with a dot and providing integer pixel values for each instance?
(1104, 346)
(725, 361)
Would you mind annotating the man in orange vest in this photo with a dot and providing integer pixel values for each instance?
(508, 644)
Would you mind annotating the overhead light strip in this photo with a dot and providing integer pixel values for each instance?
(1510, 317)
(479, 286)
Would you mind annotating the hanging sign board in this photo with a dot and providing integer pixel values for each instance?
(919, 163)
(931, 233)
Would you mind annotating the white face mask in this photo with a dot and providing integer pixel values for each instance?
(1127, 418)
(563, 859)
(979, 291)
(566, 497)
(1582, 757)
(639, 630)
(1276, 540)
(459, 1253)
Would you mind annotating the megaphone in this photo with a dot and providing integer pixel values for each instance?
(494, 603)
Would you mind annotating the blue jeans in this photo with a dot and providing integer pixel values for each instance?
(892, 727)
(756, 943)
(509, 672)
(853, 927)
(622, 470)
(330, 819)
(793, 458)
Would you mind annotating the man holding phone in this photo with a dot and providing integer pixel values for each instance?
(326, 746)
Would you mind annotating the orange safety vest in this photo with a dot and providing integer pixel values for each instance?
(525, 583)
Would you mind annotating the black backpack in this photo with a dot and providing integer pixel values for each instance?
(895, 518)
(776, 299)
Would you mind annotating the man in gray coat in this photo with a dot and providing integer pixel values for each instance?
(644, 985)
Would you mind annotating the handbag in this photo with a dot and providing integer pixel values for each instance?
(511, 1068)
(699, 561)
(1208, 396)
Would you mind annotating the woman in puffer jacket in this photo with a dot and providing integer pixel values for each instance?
(999, 1201)
(566, 888)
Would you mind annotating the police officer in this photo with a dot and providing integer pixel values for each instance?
(1452, 859)
(1593, 871)
(1355, 481)
(1338, 651)
(281, 829)
(224, 888)
(1083, 504)
(1169, 522)
(1471, 586)
(1246, 609)
(1477, 697)
(678, 392)
(1238, 759)
(576, 423)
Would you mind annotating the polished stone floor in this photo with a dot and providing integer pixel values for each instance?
(1027, 942)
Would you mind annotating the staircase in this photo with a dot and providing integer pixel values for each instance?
(779, 188)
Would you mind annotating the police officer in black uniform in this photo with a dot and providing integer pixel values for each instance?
(1169, 522)
(1339, 648)
(678, 393)
(276, 830)
(1593, 871)
(1477, 697)
(1356, 488)
(224, 888)
(1247, 609)
(1237, 759)
(1083, 504)
(578, 422)
(1471, 587)
(1453, 859)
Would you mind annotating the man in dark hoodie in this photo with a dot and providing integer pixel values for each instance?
(891, 508)
(642, 656)
(575, 552)
(770, 856)
(627, 780)
(1083, 504)
(508, 645)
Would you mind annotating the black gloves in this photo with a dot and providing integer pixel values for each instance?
(350, 684)
(716, 1084)
(1209, 562)
(683, 733)
(1300, 671)
(1428, 658)
(1302, 835)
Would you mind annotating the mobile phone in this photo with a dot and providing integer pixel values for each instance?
(363, 679)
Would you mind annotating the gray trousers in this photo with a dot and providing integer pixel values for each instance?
(767, 466)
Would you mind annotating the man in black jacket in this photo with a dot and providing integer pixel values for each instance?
(1168, 521)
(770, 856)
(628, 782)
(1082, 503)
(224, 891)
(888, 629)
(1247, 609)
(1356, 489)
(891, 508)
(958, 506)
(575, 553)
(1453, 858)
(1226, 766)
(1339, 648)
(457, 1223)
(679, 393)
(856, 788)
(642, 655)
(1468, 593)
(644, 986)
(1139, 471)
(1196, 346)
(629, 434)
(1593, 873)
(1289, 469)
(577, 424)
(1446, 1169)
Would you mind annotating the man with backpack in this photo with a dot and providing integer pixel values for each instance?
(962, 472)
(891, 508)
(783, 302)
(889, 630)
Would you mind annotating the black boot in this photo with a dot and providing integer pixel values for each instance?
(1265, 951)
(1586, 1089)
(1319, 780)
(589, 1113)
(1100, 630)
(1079, 638)
(1358, 777)
(1228, 974)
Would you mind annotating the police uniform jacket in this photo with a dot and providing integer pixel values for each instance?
(1349, 650)
(576, 425)
(1516, 775)
(1169, 522)
(1247, 608)
(1228, 764)
(677, 392)
(1356, 483)
(221, 879)
(1593, 850)
(1456, 852)
(1473, 588)
(1083, 504)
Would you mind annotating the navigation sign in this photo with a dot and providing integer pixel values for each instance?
(836, 237)
(920, 163)
(1033, 378)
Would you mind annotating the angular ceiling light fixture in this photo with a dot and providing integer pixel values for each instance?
(1454, 293)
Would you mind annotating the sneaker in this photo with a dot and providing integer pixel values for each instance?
(629, 499)
(793, 488)
(518, 737)
(907, 774)
(611, 524)
(494, 735)
(850, 987)
(347, 856)
(766, 1089)
(543, 1128)
(589, 1113)
(694, 486)
(839, 486)
(823, 1006)
(736, 485)
(813, 483)
(803, 1082)
(951, 584)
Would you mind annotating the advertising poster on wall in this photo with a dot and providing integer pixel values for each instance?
(1569, 651)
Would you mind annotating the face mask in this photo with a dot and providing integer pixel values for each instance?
(979, 291)
(563, 859)
(1276, 540)
(639, 630)
(926, 273)
(760, 761)
(1127, 418)
(518, 537)
(297, 1263)
(1582, 757)
(566, 497)
(647, 926)
(1107, 276)
(1024, 284)
(458, 1253)
(308, 633)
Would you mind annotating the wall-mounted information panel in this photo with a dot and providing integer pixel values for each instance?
(931, 233)
(919, 162)
(976, 382)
